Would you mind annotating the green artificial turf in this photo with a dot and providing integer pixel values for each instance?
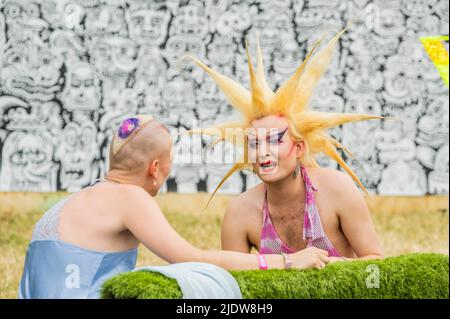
(409, 276)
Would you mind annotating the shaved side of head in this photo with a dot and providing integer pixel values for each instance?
(152, 142)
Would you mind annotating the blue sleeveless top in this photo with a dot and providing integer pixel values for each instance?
(56, 269)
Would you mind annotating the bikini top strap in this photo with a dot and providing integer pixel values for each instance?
(309, 185)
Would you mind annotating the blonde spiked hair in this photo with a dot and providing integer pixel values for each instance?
(290, 100)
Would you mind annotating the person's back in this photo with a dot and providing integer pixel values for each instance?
(92, 218)
(75, 247)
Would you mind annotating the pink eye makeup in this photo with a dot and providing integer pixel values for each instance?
(271, 139)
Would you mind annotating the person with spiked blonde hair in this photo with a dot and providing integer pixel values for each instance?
(298, 204)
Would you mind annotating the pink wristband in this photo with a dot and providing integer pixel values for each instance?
(262, 262)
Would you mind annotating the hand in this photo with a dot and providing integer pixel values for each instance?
(338, 259)
(310, 257)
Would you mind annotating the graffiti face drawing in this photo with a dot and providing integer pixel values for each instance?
(82, 89)
(27, 163)
(76, 151)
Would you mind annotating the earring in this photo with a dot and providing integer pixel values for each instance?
(297, 170)
(154, 182)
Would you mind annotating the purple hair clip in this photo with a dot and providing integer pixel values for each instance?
(128, 127)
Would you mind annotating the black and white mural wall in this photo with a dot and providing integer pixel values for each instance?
(71, 69)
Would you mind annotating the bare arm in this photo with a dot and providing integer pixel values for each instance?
(148, 224)
(234, 233)
(356, 221)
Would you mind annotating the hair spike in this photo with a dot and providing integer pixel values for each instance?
(290, 100)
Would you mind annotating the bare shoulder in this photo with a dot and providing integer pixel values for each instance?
(332, 180)
(126, 196)
(246, 205)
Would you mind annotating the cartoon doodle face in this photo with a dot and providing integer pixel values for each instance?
(439, 177)
(235, 20)
(433, 127)
(43, 116)
(363, 75)
(31, 71)
(403, 178)
(151, 71)
(82, 89)
(417, 8)
(285, 60)
(328, 103)
(423, 25)
(404, 87)
(209, 100)
(190, 21)
(177, 46)
(117, 105)
(390, 23)
(148, 26)
(67, 44)
(178, 95)
(22, 15)
(76, 151)
(27, 163)
(393, 146)
(105, 19)
(380, 46)
(368, 171)
(357, 140)
(62, 13)
(115, 57)
(364, 104)
(221, 51)
(272, 30)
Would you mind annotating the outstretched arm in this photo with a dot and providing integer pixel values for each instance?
(147, 223)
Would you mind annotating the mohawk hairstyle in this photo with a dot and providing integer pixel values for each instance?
(291, 101)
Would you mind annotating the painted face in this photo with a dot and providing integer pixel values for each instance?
(148, 25)
(82, 90)
(76, 152)
(27, 163)
(271, 149)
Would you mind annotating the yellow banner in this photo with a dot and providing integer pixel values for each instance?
(438, 54)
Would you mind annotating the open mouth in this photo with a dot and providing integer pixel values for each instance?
(267, 166)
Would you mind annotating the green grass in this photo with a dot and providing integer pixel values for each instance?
(412, 276)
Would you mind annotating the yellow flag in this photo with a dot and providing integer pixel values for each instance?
(438, 54)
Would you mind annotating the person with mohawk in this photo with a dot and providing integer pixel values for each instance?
(298, 204)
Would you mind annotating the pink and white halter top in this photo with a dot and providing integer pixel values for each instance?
(271, 243)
